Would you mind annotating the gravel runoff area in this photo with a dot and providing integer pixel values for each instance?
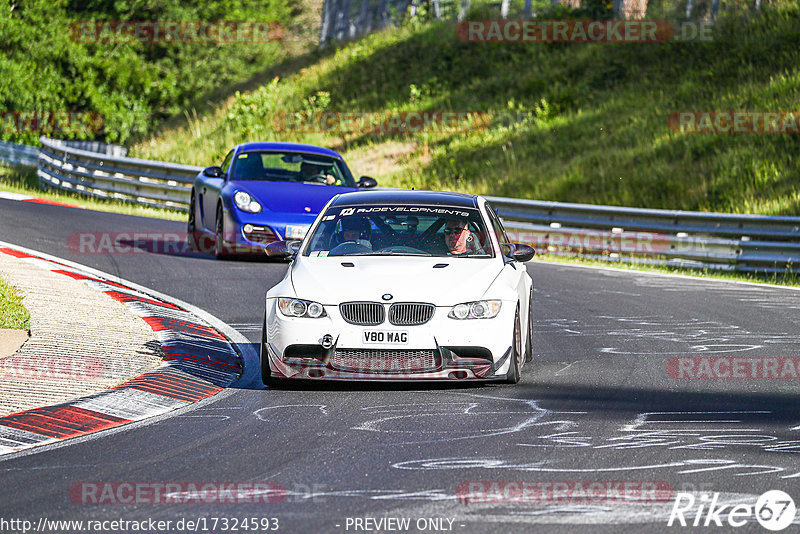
(82, 341)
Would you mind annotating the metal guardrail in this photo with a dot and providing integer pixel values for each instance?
(719, 241)
(14, 155)
(665, 237)
(64, 165)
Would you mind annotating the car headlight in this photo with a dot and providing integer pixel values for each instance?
(245, 202)
(300, 308)
(481, 309)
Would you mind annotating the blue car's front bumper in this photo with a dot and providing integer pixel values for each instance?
(267, 227)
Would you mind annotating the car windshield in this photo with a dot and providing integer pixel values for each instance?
(437, 231)
(290, 167)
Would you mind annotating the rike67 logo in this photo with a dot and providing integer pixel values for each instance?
(774, 510)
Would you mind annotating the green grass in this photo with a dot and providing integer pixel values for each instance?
(595, 115)
(24, 181)
(12, 312)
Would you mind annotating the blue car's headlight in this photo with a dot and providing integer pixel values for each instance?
(245, 202)
(300, 308)
(482, 309)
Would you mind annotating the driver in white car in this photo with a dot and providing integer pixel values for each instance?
(459, 240)
(356, 230)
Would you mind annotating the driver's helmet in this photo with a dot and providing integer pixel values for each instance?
(359, 224)
(352, 224)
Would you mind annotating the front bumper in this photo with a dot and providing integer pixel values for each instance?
(443, 349)
(268, 227)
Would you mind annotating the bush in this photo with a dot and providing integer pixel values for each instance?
(132, 86)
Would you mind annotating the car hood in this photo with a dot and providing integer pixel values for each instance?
(290, 197)
(407, 279)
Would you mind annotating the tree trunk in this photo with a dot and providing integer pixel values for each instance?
(714, 9)
(630, 9)
(462, 13)
(327, 16)
(527, 11)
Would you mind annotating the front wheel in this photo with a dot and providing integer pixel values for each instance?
(219, 237)
(515, 368)
(191, 227)
(266, 372)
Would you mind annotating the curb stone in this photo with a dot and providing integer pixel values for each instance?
(200, 361)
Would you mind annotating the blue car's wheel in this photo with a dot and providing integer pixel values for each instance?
(220, 249)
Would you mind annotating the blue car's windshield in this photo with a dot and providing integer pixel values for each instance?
(438, 231)
(290, 167)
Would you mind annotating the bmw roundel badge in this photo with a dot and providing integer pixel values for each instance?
(387, 296)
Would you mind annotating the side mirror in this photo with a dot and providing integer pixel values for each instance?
(213, 172)
(519, 252)
(366, 182)
(282, 249)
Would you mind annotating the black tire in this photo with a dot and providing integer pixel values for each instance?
(529, 341)
(219, 236)
(515, 369)
(191, 227)
(266, 372)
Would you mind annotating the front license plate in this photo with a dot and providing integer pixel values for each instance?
(392, 337)
(296, 232)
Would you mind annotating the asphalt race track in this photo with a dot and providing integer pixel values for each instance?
(599, 403)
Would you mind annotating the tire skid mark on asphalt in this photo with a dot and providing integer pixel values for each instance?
(635, 336)
(478, 407)
(323, 408)
(684, 466)
(554, 512)
(724, 431)
(199, 362)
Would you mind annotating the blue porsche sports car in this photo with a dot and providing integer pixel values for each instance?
(264, 192)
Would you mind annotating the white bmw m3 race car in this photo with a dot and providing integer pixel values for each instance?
(400, 285)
